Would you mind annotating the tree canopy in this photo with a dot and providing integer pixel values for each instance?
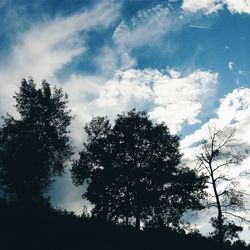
(35, 147)
(133, 171)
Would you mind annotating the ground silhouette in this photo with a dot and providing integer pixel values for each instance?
(42, 227)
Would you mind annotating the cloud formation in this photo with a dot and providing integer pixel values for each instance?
(230, 65)
(180, 99)
(212, 6)
(169, 96)
(46, 48)
(121, 82)
(233, 111)
(207, 6)
(147, 28)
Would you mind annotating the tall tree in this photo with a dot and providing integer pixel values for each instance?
(34, 148)
(219, 153)
(94, 165)
(133, 170)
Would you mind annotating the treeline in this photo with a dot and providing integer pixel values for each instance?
(131, 168)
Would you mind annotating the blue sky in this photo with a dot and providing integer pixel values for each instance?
(185, 62)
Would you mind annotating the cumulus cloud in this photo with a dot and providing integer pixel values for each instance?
(238, 6)
(212, 6)
(233, 111)
(180, 99)
(82, 91)
(169, 96)
(207, 6)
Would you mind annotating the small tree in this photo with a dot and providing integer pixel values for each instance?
(230, 231)
(133, 171)
(218, 154)
(34, 148)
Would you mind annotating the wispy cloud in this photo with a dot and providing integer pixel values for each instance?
(147, 28)
(47, 47)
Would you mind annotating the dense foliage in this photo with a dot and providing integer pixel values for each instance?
(134, 174)
(35, 147)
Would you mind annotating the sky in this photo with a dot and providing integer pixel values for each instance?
(185, 62)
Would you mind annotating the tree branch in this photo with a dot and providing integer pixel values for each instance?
(236, 216)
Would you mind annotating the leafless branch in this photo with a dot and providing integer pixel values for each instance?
(237, 216)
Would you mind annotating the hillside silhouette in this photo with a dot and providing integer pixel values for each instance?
(43, 227)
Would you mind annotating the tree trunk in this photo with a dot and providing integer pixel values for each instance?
(219, 217)
(138, 217)
(126, 220)
(105, 205)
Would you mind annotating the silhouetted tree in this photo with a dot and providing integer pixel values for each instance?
(94, 165)
(230, 230)
(218, 154)
(133, 171)
(34, 148)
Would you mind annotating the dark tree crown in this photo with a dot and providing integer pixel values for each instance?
(35, 147)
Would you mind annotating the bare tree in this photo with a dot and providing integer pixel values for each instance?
(219, 153)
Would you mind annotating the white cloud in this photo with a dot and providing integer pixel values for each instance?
(207, 6)
(146, 28)
(212, 6)
(234, 111)
(47, 47)
(41, 52)
(230, 65)
(238, 6)
(180, 99)
(82, 90)
(235, 107)
(168, 96)
(128, 89)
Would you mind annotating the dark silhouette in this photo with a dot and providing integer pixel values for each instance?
(34, 147)
(134, 174)
(40, 228)
(230, 231)
(220, 152)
